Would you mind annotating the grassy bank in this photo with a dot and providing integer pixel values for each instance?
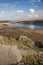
(15, 32)
(31, 54)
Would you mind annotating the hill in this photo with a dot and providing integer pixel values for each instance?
(28, 22)
(24, 22)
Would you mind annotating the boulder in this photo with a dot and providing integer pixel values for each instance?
(9, 55)
(38, 44)
(25, 39)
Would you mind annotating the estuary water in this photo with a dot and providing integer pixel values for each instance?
(29, 26)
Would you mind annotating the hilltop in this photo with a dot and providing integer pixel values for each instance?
(40, 21)
(4, 21)
(24, 21)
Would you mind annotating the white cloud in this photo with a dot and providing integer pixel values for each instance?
(18, 15)
(39, 0)
(36, 15)
(34, 0)
(19, 11)
(7, 6)
(4, 4)
(32, 10)
(2, 12)
(32, 13)
(2, 16)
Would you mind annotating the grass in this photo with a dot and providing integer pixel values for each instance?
(31, 59)
(10, 34)
(15, 32)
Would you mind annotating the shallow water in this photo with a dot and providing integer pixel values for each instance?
(30, 26)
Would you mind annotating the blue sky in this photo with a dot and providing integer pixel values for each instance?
(21, 9)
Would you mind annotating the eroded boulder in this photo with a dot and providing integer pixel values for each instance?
(26, 39)
(9, 55)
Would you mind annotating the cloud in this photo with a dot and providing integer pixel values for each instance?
(16, 15)
(32, 13)
(19, 11)
(2, 12)
(32, 10)
(34, 0)
(39, 0)
(2, 15)
(4, 4)
(7, 6)
(40, 13)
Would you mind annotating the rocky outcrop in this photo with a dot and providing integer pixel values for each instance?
(26, 39)
(9, 55)
(39, 44)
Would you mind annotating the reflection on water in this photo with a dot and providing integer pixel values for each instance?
(30, 26)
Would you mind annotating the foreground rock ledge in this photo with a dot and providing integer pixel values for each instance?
(9, 55)
(26, 39)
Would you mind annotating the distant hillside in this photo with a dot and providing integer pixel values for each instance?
(4, 21)
(24, 22)
(28, 22)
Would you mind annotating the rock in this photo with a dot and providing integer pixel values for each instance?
(17, 38)
(12, 39)
(21, 63)
(2, 37)
(25, 39)
(9, 55)
(38, 44)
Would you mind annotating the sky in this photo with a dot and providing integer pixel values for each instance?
(21, 9)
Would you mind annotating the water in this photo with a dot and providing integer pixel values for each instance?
(29, 26)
